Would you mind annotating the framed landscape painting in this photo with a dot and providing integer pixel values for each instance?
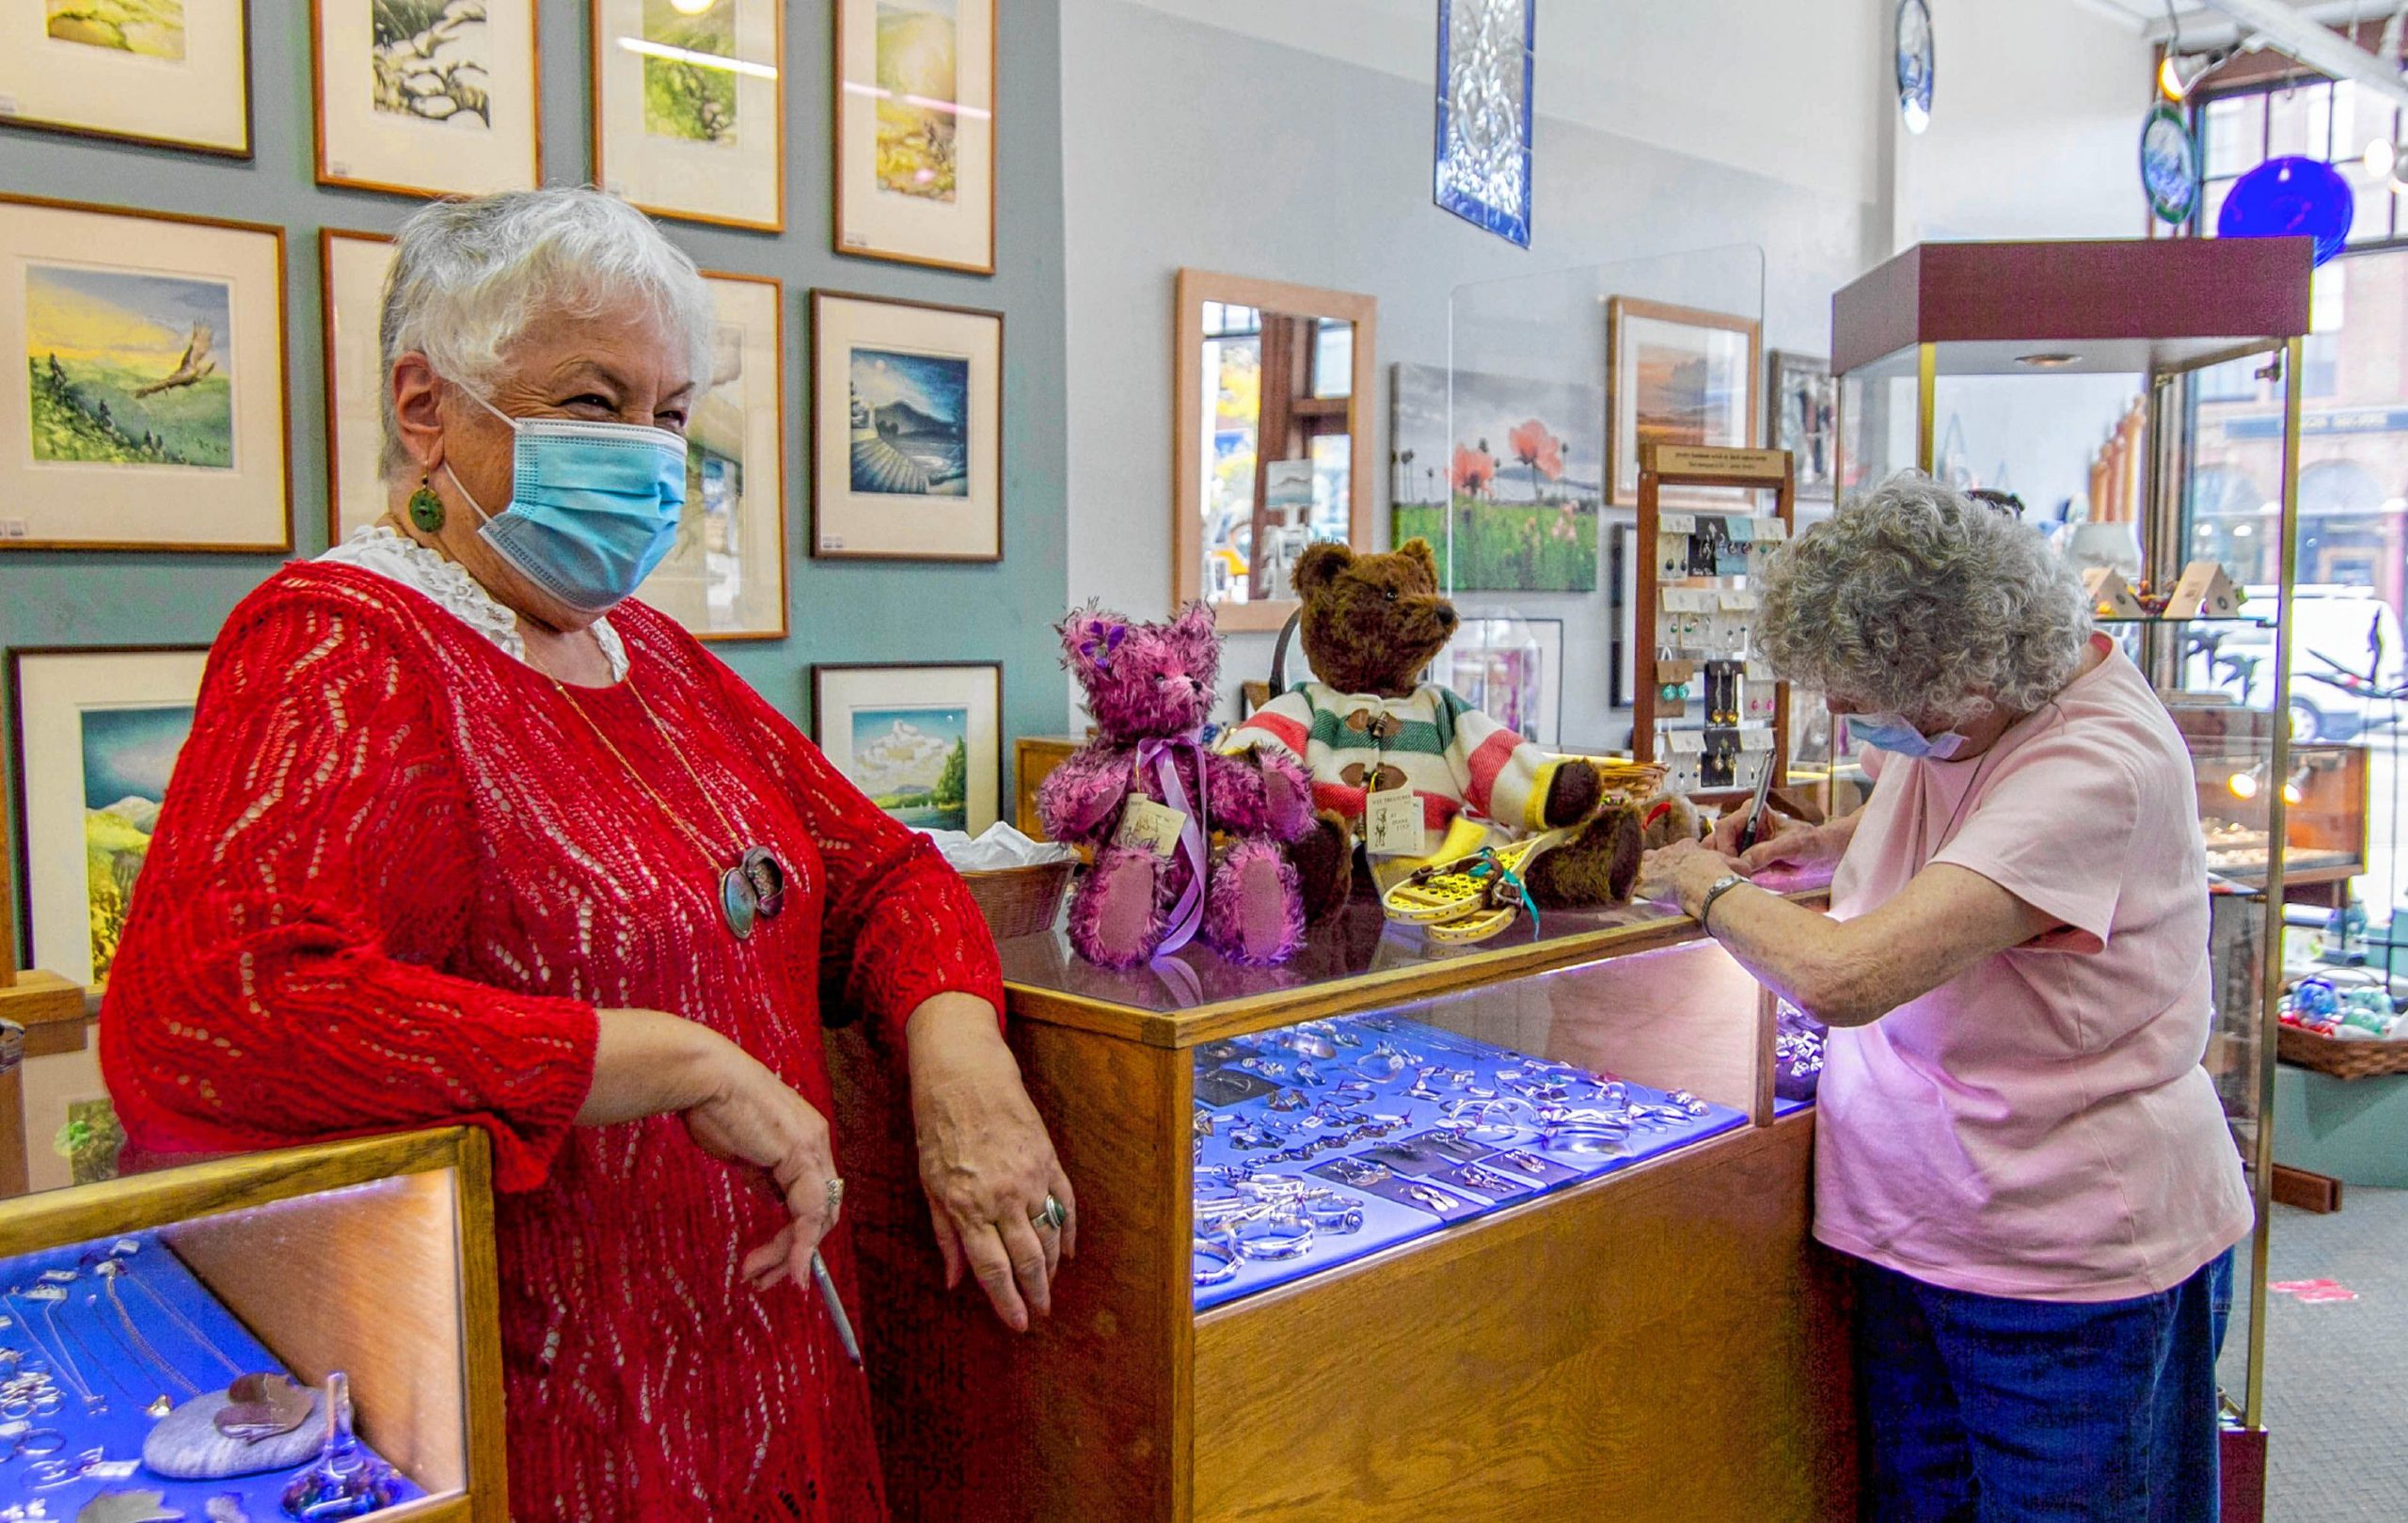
(172, 73)
(427, 97)
(725, 578)
(352, 269)
(923, 741)
(1519, 482)
(1675, 375)
(907, 430)
(94, 734)
(689, 108)
(916, 132)
(147, 409)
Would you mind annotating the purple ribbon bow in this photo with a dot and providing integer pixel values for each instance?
(1187, 915)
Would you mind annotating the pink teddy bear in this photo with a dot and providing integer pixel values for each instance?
(1149, 687)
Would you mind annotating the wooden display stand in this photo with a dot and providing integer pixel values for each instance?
(379, 1261)
(1663, 466)
(1663, 1342)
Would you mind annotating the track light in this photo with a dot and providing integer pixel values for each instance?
(2180, 74)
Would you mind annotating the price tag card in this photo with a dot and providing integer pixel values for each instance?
(1677, 523)
(1756, 740)
(1771, 528)
(1738, 602)
(1392, 824)
(1685, 742)
(1151, 827)
(1740, 531)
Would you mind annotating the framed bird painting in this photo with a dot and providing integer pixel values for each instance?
(146, 404)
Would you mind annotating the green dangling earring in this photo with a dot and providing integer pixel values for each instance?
(425, 508)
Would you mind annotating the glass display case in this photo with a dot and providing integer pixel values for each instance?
(2048, 379)
(1393, 1231)
(310, 1333)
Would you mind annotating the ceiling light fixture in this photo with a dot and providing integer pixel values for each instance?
(2047, 362)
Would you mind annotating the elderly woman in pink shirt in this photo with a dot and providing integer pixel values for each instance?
(2015, 1141)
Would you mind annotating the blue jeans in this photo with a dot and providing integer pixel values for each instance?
(1986, 1409)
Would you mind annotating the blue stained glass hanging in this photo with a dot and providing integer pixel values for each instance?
(2290, 197)
(1485, 51)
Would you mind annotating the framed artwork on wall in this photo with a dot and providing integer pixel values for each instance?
(1485, 64)
(351, 291)
(689, 108)
(924, 741)
(1519, 482)
(916, 132)
(93, 735)
(148, 408)
(1511, 669)
(1624, 690)
(1802, 404)
(726, 577)
(171, 72)
(907, 407)
(427, 97)
(1675, 375)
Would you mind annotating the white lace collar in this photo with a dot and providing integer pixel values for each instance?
(398, 557)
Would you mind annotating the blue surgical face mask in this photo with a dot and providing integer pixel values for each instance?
(1893, 734)
(593, 507)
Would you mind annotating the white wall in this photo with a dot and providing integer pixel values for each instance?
(1291, 141)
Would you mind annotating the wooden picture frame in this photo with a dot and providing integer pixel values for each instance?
(90, 78)
(155, 356)
(1190, 291)
(75, 868)
(1727, 417)
(937, 361)
(392, 141)
(930, 700)
(685, 152)
(352, 267)
(736, 493)
(876, 213)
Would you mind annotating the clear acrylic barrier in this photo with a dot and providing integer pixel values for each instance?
(1517, 461)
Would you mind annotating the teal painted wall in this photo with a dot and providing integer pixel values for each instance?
(838, 610)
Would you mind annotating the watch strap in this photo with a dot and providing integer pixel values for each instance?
(1720, 886)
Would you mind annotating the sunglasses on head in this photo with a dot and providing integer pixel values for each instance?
(2006, 503)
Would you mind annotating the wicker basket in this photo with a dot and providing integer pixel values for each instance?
(2340, 1056)
(1020, 901)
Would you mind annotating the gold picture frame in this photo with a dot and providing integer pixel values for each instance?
(352, 267)
(907, 436)
(154, 395)
(673, 95)
(726, 579)
(1643, 339)
(924, 739)
(185, 86)
(388, 117)
(914, 138)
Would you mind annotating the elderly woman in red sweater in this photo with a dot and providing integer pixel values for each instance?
(465, 833)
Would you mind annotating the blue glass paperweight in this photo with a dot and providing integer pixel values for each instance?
(2290, 197)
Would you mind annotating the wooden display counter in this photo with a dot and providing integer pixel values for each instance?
(1664, 1341)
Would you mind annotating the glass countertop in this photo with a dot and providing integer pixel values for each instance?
(1356, 946)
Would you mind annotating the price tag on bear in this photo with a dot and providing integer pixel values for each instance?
(1392, 824)
(1151, 827)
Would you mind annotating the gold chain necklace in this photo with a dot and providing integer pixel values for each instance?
(751, 890)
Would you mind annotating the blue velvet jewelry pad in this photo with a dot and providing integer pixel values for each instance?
(1790, 1107)
(1387, 1218)
(96, 1342)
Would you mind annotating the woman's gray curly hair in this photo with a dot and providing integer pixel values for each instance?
(1914, 600)
(469, 275)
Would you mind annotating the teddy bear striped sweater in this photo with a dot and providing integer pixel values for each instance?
(1452, 755)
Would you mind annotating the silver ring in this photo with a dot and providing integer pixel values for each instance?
(1054, 1216)
(835, 1195)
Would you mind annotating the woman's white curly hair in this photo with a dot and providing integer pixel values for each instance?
(1912, 599)
(469, 275)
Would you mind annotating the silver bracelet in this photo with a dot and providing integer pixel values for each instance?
(1705, 906)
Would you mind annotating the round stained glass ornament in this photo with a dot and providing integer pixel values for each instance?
(2169, 166)
(1915, 62)
(2290, 197)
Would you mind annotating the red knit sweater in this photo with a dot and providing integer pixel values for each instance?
(394, 877)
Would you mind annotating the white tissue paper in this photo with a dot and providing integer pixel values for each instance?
(998, 847)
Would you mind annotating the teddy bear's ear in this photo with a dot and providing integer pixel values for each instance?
(1320, 564)
(1200, 634)
(1089, 637)
(1418, 549)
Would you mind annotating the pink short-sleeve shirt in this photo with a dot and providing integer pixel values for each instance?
(2040, 1126)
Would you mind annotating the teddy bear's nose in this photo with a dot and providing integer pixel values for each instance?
(1446, 617)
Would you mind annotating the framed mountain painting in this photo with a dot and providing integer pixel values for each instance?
(916, 132)
(145, 404)
(907, 409)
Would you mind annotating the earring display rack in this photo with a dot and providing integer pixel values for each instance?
(1706, 707)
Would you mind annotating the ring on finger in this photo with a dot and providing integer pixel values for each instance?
(835, 1195)
(1055, 1215)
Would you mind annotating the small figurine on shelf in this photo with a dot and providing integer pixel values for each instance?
(1148, 796)
(347, 1481)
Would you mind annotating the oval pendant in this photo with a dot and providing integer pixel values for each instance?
(768, 876)
(737, 903)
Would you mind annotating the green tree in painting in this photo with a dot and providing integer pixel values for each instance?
(694, 102)
(953, 784)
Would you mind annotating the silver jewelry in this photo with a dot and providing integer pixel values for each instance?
(1271, 1238)
(1437, 1202)
(1054, 1214)
(48, 1297)
(835, 1197)
(1216, 1264)
(115, 1269)
(1334, 1216)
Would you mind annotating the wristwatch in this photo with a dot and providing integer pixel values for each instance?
(1720, 886)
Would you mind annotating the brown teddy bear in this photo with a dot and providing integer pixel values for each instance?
(1370, 625)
